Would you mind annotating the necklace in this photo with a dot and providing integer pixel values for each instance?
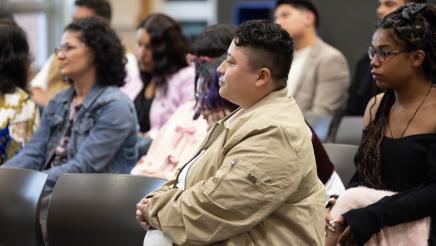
(413, 115)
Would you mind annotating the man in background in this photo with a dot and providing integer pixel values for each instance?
(319, 76)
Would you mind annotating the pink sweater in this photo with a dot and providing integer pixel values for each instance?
(411, 233)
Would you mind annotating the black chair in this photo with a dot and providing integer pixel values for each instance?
(350, 130)
(20, 194)
(97, 209)
(342, 156)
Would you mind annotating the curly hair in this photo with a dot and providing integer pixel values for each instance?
(101, 8)
(14, 58)
(270, 47)
(168, 46)
(413, 27)
(106, 47)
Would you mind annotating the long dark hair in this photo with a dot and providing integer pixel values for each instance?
(14, 58)
(169, 46)
(413, 26)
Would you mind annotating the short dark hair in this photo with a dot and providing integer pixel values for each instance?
(416, 1)
(106, 47)
(270, 46)
(14, 58)
(302, 4)
(214, 40)
(101, 8)
(169, 46)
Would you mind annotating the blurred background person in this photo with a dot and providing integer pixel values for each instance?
(319, 76)
(49, 81)
(182, 134)
(168, 79)
(90, 127)
(18, 113)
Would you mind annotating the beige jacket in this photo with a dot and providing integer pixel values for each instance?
(254, 184)
(323, 86)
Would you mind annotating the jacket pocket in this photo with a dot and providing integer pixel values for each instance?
(84, 126)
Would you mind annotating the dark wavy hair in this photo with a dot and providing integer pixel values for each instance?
(270, 47)
(106, 48)
(14, 58)
(168, 46)
(101, 8)
(413, 26)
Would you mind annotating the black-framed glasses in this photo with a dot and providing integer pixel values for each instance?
(382, 54)
(65, 48)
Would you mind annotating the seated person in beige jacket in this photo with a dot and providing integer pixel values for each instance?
(253, 181)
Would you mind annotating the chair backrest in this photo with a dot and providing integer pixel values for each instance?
(20, 194)
(342, 156)
(97, 209)
(350, 130)
(319, 124)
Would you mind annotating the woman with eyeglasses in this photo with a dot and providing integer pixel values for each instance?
(396, 161)
(90, 127)
(18, 113)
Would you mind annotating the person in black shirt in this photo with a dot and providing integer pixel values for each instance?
(398, 148)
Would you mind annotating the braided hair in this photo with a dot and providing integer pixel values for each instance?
(413, 26)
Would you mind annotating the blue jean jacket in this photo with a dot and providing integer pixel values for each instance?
(102, 140)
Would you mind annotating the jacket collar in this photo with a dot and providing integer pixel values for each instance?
(271, 98)
(90, 97)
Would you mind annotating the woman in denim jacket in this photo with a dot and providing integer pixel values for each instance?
(91, 127)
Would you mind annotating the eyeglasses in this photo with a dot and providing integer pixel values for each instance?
(382, 54)
(65, 48)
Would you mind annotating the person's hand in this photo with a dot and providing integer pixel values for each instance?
(141, 213)
(347, 238)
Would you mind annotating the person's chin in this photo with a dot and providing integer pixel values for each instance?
(382, 84)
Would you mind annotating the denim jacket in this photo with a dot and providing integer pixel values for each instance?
(102, 140)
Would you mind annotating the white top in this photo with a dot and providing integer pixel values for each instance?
(181, 181)
(300, 57)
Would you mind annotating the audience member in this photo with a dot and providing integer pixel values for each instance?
(49, 80)
(168, 79)
(398, 148)
(363, 86)
(319, 76)
(18, 114)
(256, 170)
(184, 131)
(92, 126)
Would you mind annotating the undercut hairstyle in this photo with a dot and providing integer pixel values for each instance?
(101, 8)
(412, 26)
(14, 58)
(304, 5)
(268, 46)
(106, 48)
(169, 46)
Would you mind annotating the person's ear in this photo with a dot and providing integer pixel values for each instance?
(418, 58)
(263, 77)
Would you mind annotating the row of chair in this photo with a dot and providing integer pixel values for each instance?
(85, 209)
